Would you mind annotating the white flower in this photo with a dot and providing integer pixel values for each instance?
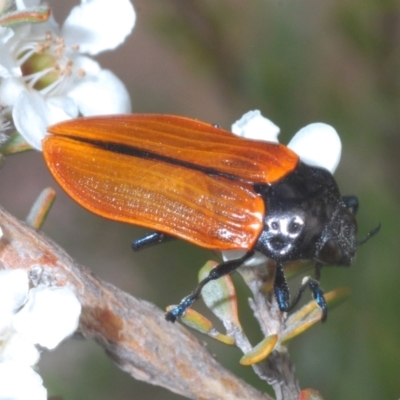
(41, 316)
(319, 145)
(20, 383)
(253, 125)
(47, 78)
(316, 144)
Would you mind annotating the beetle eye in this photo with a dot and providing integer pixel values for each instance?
(294, 227)
(330, 252)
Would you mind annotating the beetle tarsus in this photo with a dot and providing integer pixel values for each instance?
(170, 316)
(318, 295)
(173, 314)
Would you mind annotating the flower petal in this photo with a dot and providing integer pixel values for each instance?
(14, 286)
(253, 125)
(98, 25)
(318, 144)
(102, 93)
(8, 67)
(19, 382)
(18, 349)
(86, 64)
(32, 115)
(51, 314)
(22, 5)
(61, 108)
(10, 90)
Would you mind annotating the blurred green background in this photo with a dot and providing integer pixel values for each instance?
(298, 61)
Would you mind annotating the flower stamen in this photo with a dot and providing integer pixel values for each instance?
(45, 64)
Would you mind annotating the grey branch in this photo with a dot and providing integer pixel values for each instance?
(133, 332)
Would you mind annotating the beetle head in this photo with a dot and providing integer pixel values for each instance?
(307, 219)
(337, 244)
(309, 235)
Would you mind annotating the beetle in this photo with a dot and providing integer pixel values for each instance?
(191, 180)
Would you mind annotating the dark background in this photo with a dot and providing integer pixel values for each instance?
(298, 61)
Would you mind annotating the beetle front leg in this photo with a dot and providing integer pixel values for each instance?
(281, 289)
(282, 296)
(317, 292)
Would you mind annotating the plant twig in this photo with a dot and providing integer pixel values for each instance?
(133, 332)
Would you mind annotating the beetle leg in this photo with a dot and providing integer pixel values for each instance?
(281, 289)
(317, 293)
(220, 270)
(150, 240)
(282, 292)
(317, 273)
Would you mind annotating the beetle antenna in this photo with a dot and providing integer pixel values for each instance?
(369, 235)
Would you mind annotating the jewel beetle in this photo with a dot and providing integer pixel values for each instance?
(191, 180)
